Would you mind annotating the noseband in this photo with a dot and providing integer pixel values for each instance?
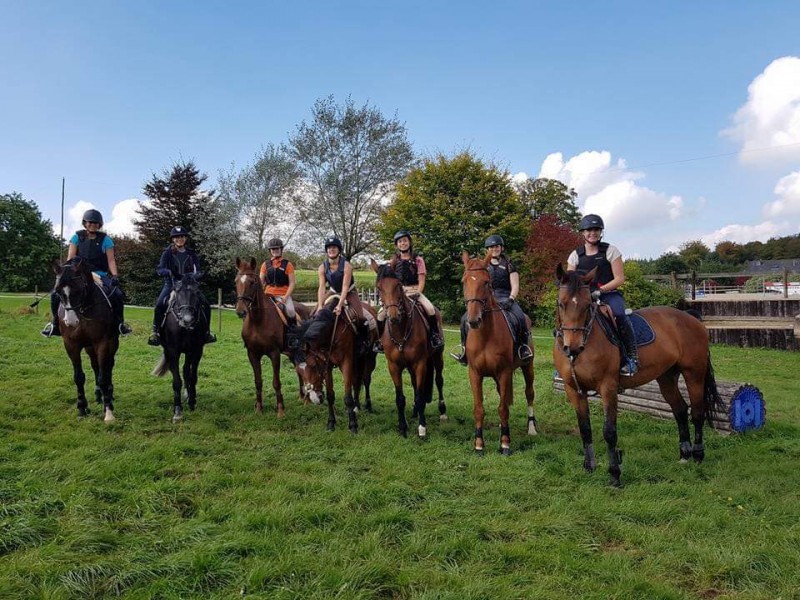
(588, 325)
(250, 300)
(178, 309)
(483, 301)
(85, 288)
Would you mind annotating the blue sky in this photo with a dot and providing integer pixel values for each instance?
(106, 93)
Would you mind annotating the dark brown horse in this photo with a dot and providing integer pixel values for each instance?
(184, 332)
(88, 323)
(327, 341)
(406, 347)
(264, 331)
(490, 351)
(587, 360)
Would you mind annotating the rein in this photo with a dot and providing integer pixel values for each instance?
(83, 308)
(405, 313)
(483, 301)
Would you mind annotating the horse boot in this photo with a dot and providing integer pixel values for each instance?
(462, 357)
(158, 320)
(628, 337)
(437, 342)
(378, 345)
(53, 327)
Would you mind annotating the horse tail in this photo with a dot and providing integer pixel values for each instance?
(162, 367)
(711, 397)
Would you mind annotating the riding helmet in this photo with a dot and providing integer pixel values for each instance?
(591, 222)
(495, 240)
(333, 241)
(178, 231)
(275, 243)
(94, 216)
(401, 234)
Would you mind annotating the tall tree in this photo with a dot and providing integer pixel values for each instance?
(450, 205)
(27, 245)
(350, 157)
(694, 253)
(544, 196)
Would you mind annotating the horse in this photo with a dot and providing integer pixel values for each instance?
(405, 344)
(586, 360)
(490, 352)
(89, 324)
(327, 341)
(184, 333)
(264, 330)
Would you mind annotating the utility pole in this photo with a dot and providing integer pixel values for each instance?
(61, 237)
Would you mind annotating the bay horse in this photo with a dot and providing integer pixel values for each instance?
(326, 341)
(586, 360)
(406, 347)
(88, 324)
(490, 352)
(184, 332)
(264, 332)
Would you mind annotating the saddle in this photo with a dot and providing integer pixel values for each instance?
(515, 326)
(641, 328)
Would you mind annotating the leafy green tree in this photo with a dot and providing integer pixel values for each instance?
(544, 196)
(27, 245)
(729, 253)
(350, 157)
(452, 204)
(693, 253)
(640, 292)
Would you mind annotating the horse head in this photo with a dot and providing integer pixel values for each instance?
(574, 309)
(247, 286)
(73, 285)
(312, 358)
(390, 291)
(477, 286)
(185, 301)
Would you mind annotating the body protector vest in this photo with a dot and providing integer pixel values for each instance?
(277, 275)
(501, 274)
(406, 270)
(91, 250)
(182, 263)
(587, 263)
(335, 278)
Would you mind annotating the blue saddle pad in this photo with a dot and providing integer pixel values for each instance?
(644, 333)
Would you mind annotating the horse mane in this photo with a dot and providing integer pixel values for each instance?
(573, 281)
(386, 271)
(317, 328)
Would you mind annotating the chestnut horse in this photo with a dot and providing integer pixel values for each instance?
(88, 323)
(327, 341)
(406, 347)
(490, 351)
(184, 333)
(263, 331)
(587, 360)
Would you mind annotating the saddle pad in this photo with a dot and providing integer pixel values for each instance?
(644, 333)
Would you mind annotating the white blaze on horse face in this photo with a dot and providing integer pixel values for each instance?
(243, 279)
(70, 316)
(574, 299)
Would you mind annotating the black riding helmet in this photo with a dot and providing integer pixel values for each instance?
(333, 241)
(591, 222)
(94, 216)
(401, 234)
(495, 240)
(275, 243)
(178, 231)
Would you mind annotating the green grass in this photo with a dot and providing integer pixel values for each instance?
(308, 279)
(232, 504)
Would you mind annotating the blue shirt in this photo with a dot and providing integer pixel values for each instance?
(107, 243)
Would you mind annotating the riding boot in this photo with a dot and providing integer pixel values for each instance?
(52, 328)
(158, 321)
(524, 351)
(118, 306)
(210, 337)
(378, 345)
(462, 357)
(628, 337)
(437, 341)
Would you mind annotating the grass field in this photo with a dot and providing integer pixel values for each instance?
(229, 504)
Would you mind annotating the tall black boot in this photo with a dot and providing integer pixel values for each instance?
(437, 341)
(118, 306)
(378, 345)
(628, 337)
(158, 320)
(462, 356)
(210, 337)
(524, 351)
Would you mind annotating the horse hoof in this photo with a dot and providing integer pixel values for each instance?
(353, 430)
(442, 418)
(616, 483)
(192, 406)
(683, 461)
(479, 451)
(422, 431)
(109, 417)
(331, 427)
(532, 429)
(590, 466)
(177, 418)
(505, 451)
(403, 432)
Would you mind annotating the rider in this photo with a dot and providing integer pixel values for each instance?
(97, 249)
(410, 270)
(610, 275)
(176, 261)
(278, 279)
(337, 273)
(505, 287)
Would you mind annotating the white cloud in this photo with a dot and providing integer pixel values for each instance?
(122, 216)
(610, 190)
(743, 234)
(771, 116)
(788, 203)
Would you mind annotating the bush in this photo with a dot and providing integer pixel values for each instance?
(639, 292)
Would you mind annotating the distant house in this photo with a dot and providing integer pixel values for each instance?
(773, 267)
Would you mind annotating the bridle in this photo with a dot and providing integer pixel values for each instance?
(85, 289)
(404, 312)
(250, 300)
(179, 309)
(588, 325)
(483, 301)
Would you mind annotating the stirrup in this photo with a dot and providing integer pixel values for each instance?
(630, 368)
(437, 341)
(461, 358)
(210, 338)
(124, 329)
(524, 352)
(378, 347)
(154, 339)
(50, 330)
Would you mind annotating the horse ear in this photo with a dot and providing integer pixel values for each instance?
(56, 264)
(393, 262)
(487, 259)
(559, 272)
(589, 277)
(253, 263)
(373, 265)
(238, 263)
(465, 257)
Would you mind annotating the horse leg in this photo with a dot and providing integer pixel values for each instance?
(347, 368)
(396, 374)
(505, 389)
(695, 385)
(369, 367)
(413, 387)
(422, 394)
(530, 395)
(193, 361)
(79, 377)
(98, 392)
(174, 361)
(275, 358)
(438, 367)
(105, 360)
(668, 384)
(476, 383)
(609, 393)
(255, 363)
(331, 395)
(581, 405)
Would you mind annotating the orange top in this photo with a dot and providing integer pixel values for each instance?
(276, 290)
